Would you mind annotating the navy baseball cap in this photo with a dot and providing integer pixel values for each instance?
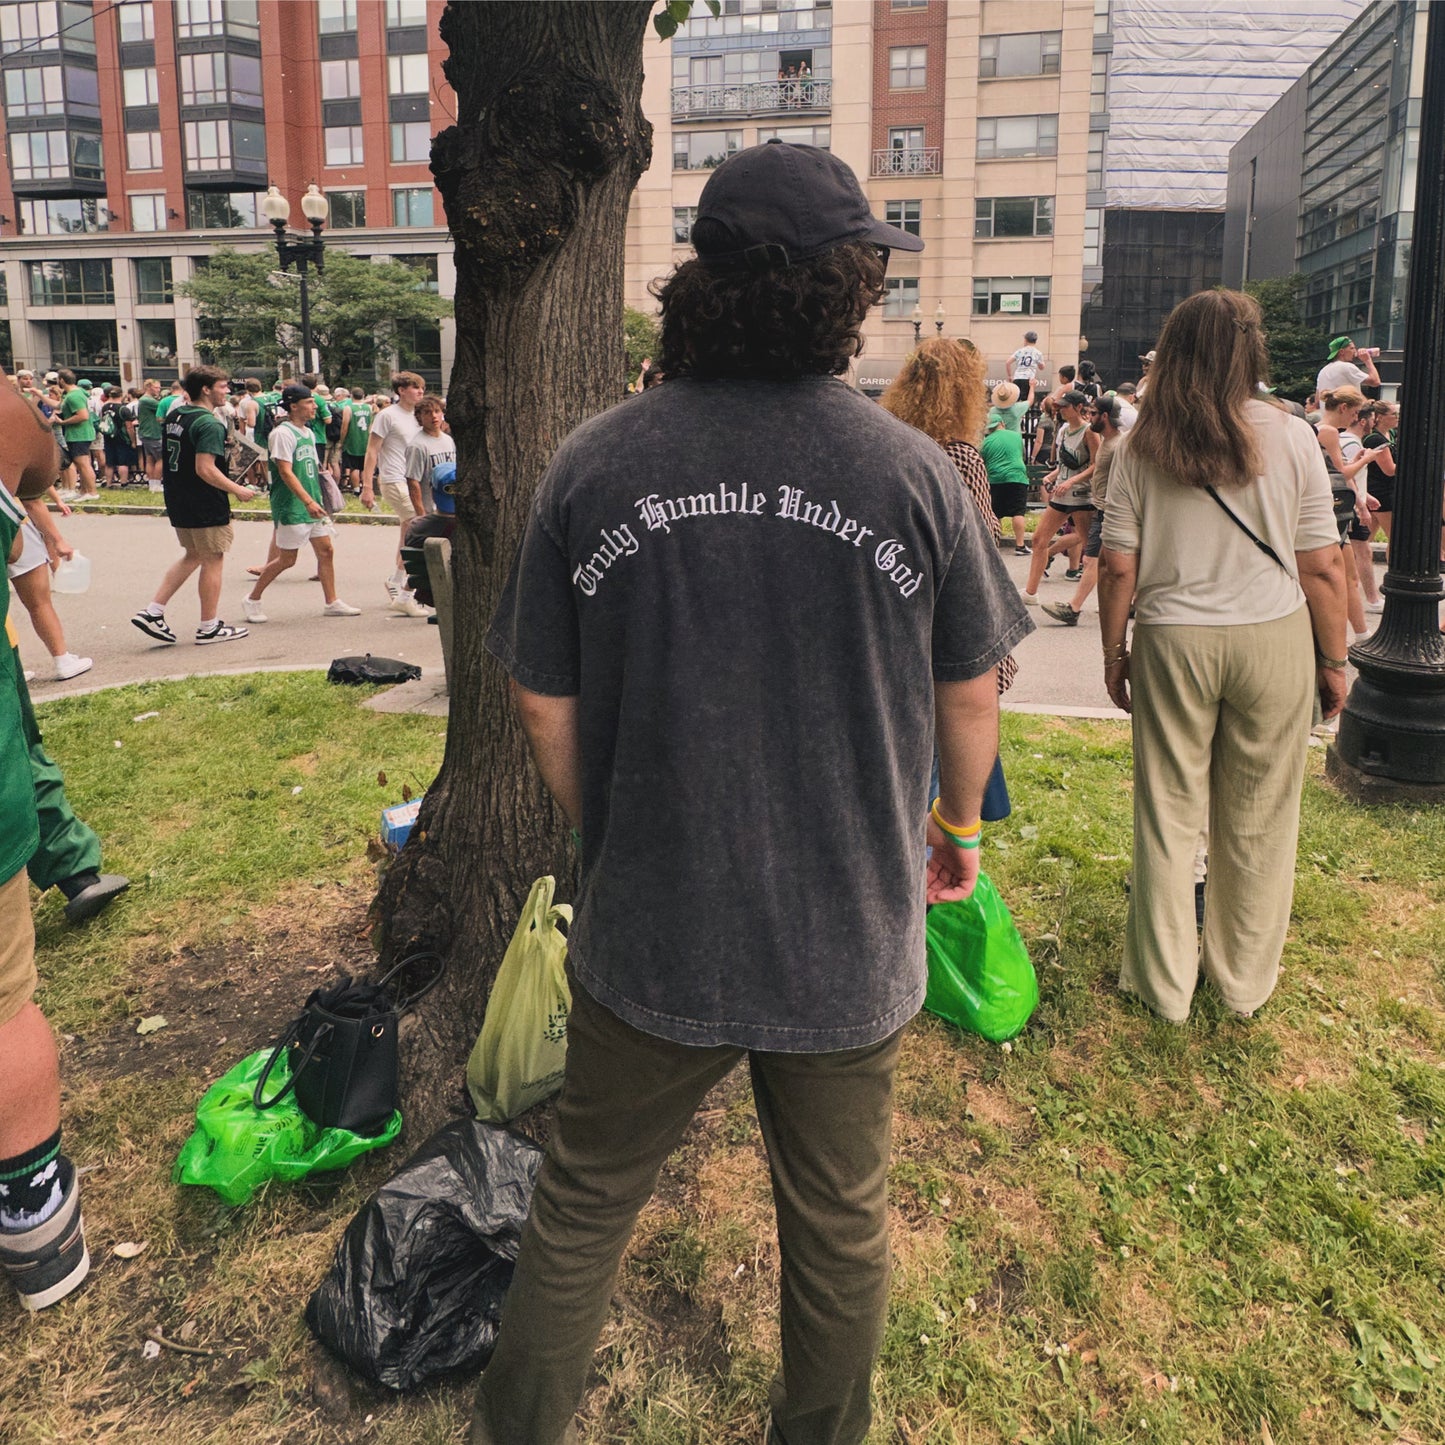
(294, 393)
(774, 205)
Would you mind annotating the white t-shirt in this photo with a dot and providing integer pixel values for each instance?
(1025, 363)
(1128, 415)
(397, 428)
(1340, 373)
(1196, 568)
(423, 457)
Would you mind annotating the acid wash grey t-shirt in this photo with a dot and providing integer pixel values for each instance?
(751, 586)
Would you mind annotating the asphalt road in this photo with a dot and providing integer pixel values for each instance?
(1059, 667)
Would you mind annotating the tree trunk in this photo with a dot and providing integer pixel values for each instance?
(549, 143)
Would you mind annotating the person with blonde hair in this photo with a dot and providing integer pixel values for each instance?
(1347, 461)
(940, 391)
(1221, 533)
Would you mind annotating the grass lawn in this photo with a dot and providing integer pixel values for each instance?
(1113, 1230)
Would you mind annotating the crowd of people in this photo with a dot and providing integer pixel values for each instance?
(203, 444)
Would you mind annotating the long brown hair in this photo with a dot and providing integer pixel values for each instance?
(1211, 360)
(940, 390)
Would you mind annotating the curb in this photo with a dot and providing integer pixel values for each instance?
(121, 509)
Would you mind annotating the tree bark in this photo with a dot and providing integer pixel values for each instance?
(549, 143)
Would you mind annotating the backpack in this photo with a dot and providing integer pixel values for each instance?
(268, 413)
(106, 425)
(333, 423)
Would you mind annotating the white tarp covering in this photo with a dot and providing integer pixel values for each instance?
(1187, 80)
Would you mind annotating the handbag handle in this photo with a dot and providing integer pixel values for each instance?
(407, 1004)
(292, 1031)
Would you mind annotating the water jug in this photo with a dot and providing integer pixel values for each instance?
(72, 575)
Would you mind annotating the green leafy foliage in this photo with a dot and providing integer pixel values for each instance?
(363, 313)
(676, 12)
(1296, 350)
(640, 337)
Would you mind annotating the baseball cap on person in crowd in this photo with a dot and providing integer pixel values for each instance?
(293, 393)
(85, 383)
(774, 205)
(1338, 345)
(51, 377)
(1148, 355)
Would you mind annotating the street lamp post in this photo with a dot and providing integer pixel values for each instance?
(917, 319)
(303, 251)
(1392, 731)
(939, 317)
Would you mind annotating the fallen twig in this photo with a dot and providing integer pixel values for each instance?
(158, 1335)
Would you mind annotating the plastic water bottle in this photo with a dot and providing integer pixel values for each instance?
(72, 575)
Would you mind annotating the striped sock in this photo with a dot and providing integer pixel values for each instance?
(33, 1184)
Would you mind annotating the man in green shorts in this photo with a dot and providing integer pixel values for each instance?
(296, 507)
(355, 430)
(42, 1238)
(198, 503)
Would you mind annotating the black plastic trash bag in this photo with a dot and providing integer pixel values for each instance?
(359, 670)
(416, 1288)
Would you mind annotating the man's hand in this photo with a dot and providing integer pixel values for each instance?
(1330, 682)
(952, 871)
(315, 509)
(1116, 683)
(244, 494)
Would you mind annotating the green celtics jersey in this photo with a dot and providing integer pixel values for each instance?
(294, 444)
(353, 444)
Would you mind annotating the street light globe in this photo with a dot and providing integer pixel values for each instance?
(917, 314)
(275, 207)
(315, 206)
(940, 316)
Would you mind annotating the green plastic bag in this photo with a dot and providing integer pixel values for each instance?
(237, 1147)
(522, 1049)
(979, 974)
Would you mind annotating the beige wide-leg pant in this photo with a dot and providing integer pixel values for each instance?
(1221, 728)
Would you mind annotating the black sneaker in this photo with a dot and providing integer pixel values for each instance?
(221, 632)
(156, 627)
(1062, 612)
(1023, 551)
(1074, 573)
(89, 893)
(47, 1262)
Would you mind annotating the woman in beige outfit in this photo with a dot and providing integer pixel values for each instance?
(1221, 531)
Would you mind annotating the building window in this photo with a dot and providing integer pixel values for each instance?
(1093, 237)
(1094, 169)
(907, 67)
(340, 79)
(800, 135)
(410, 141)
(158, 343)
(905, 138)
(55, 155)
(1004, 55)
(33, 92)
(218, 145)
(139, 87)
(216, 17)
(1101, 17)
(68, 217)
(683, 220)
(143, 150)
(906, 215)
(148, 213)
(430, 279)
(137, 22)
(343, 144)
(900, 297)
(702, 150)
(412, 206)
(215, 78)
(153, 281)
(1017, 135)
(1099, 85)
(407, 75)
(336, 17)
(910, 4)
(44, 25)
(404, 14)
(71, 283)
(84, 346)
(906, 155)
(1008, 216)
(419, 347)
(1011, 295)
(348, 209)
(223, 211)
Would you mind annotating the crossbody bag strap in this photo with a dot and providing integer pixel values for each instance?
(1245, 528)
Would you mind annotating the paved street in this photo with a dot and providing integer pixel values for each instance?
(1059, 667)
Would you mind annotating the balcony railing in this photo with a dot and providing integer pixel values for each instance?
(759, 98)
(920, 161)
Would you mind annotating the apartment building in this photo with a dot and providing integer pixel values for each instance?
(139, 135)
(979, 125)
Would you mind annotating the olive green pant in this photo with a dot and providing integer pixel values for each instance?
(67, 846)
(627, 1099)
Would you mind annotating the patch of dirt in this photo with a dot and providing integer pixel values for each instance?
(224, 1002)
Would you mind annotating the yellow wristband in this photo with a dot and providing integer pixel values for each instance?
(954, 831)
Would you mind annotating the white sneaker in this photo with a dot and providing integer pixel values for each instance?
(393, 589)
(406, 605)
(1030, 599)
(340, 609)
(29, 674)
(68, 665)
(1375, 606)
(252, 610)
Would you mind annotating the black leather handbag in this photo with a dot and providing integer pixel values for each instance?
(342, 1050)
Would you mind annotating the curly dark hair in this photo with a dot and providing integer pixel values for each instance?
(799, 321)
